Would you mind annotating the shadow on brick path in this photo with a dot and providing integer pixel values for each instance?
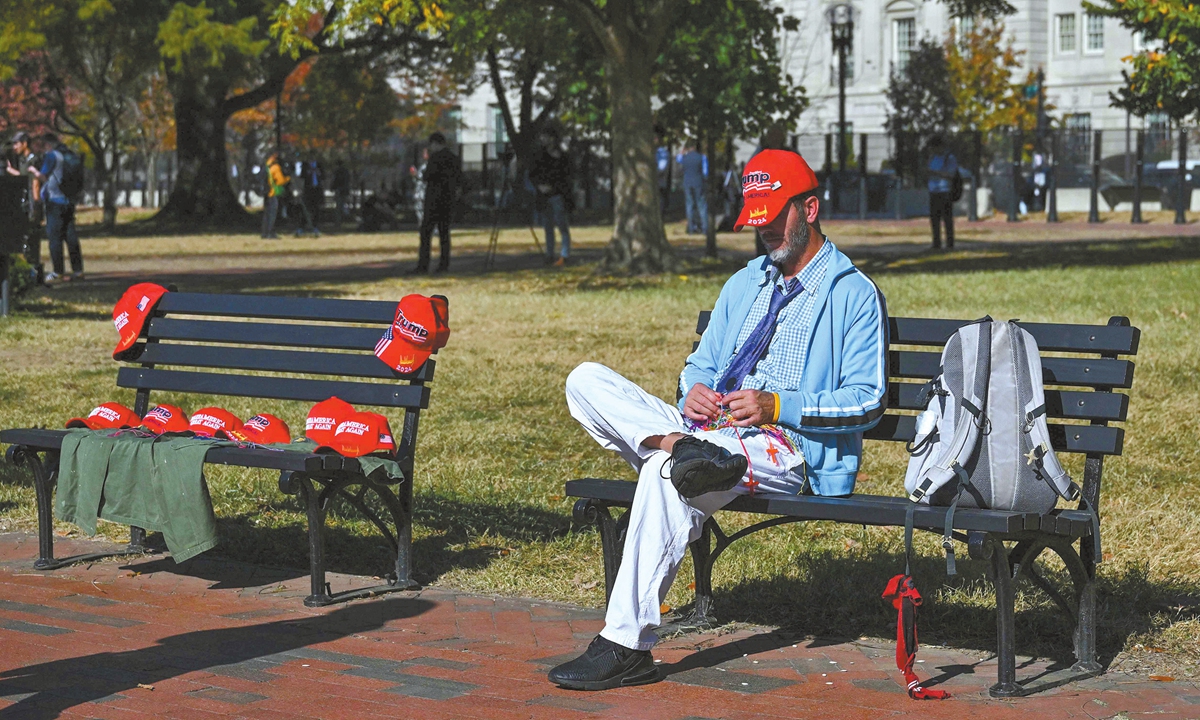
(48, 689)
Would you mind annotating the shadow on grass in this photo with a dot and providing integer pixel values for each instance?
(839, 595)
(49, 689)
(994, 256)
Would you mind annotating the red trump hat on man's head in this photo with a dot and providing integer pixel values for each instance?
(421, 328)
(770, 179)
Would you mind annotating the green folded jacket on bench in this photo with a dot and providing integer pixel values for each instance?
(154, 482)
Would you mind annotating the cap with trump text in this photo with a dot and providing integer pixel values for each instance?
(262, 429)
(130, 314)
(421, 327)
(214, 422)
(166, 419)
(770, 179)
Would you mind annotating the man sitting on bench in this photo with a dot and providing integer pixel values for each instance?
(789, 373)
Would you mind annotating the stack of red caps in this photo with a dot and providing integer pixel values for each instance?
(262, 429)
(214, 422)
(109, 416)
(166, 419)
(335, 426)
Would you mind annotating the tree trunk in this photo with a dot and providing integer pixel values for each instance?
(201, 193)
(112, 173)
(639, 244)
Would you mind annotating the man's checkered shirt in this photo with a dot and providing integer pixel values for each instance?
(783, 364)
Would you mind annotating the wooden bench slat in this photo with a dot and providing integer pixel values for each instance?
(1049, 336)
(1080, 372)
(291, 361)
(329, 337)
(1095, 439)
(244, 457)
(399, 396)
(281, 308)
(857, 509)
(1068, 404)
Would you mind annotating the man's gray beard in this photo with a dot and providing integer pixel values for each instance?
(793, 248)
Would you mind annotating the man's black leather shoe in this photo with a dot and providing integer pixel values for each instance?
(606, 665)
(698, 467)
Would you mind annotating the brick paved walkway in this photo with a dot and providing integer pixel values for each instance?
(212, 639)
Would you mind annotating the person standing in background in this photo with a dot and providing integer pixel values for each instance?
(551, 176)
(341, 190)
(442, 176)
(695, 170)
(314, 191)
(21, 161)
(59, 164)
(662, 161)
(276, 185)
(943, 166)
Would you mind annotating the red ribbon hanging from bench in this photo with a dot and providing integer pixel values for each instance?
(902, 591)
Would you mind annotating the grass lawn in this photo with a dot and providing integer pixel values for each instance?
(497, 443)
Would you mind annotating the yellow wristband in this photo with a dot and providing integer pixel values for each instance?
(775, 419)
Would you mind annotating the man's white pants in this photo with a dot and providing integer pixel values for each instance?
(620, 416)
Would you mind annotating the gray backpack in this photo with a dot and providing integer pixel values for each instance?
(982, 440)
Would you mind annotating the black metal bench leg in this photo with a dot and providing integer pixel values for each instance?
(137, 539)
(404, 578)
(1006, 653)
(45, 476)
(612, 536)
(702, 564)
(1084, 576)
(311, 495)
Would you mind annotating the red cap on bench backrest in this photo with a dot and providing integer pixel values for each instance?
(110, 415)
(420, 328)
(214, 422)
(130, 313)
(324, 419)
(165, 419)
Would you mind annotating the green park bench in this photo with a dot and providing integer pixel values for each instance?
(278, 348)
(1080, 379)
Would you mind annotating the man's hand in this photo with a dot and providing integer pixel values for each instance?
(702, 403)
(750, 407)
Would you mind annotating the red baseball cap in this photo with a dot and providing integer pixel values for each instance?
(166, 419)
(263, 429)
(324, 419)
(108, 416)
(360, 434)
(421, 328)
(130, 313)
(770, 179)
(214, 422)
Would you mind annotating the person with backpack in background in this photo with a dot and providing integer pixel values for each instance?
(276, 184)
(61, 181)
(943, 180)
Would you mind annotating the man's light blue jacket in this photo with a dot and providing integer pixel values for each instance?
(844, 384)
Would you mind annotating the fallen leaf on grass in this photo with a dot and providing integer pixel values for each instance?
(589, 585)
(664, 609)
(692, 586)
(1162, 678)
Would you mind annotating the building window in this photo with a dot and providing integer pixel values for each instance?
(1094, 28)
(499, 130)
(904, 41)
(963, 27)
(1079, 122)
(1066, 33)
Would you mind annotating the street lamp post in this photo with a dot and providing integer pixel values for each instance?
(841, 24)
